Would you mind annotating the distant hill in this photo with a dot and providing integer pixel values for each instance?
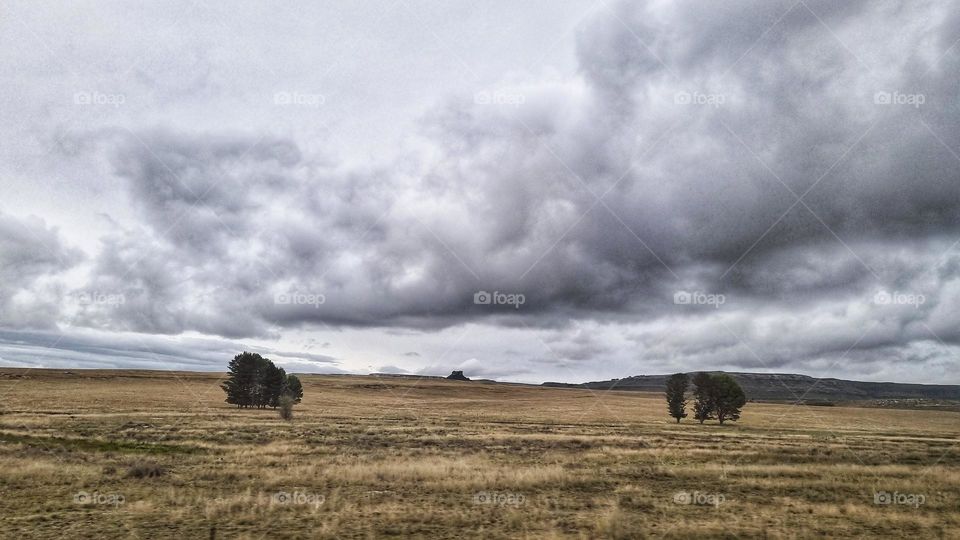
(792, 387)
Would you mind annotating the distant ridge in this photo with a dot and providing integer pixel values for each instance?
(792, 387)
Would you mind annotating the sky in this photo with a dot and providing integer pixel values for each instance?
(525, 191)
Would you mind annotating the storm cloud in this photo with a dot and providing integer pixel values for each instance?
(755, 185)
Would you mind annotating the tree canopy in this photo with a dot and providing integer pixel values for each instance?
(716, 395)
(677, 386)
(703, 396)
(254, 381)
(728, 397)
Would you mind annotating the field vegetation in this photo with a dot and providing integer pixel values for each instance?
(102, 454)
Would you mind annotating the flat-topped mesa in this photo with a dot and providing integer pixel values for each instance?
(457, 376)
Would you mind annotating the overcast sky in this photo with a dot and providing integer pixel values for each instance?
(650, 186)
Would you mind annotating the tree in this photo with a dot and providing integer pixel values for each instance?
(241, 379)
(728, 397)
(275, 382)
(717, 396)
(261, 390)
(255, 381)
(293, 388)
(703, 394)
(677, 386)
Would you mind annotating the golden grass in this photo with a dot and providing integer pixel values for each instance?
(373, 458)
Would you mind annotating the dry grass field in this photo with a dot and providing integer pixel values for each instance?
(160, 455)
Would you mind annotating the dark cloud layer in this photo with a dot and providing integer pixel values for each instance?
(797, 158)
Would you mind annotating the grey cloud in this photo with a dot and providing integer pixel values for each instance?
(690, 183)
(200, 191)
(392, 369)
(242, 235)
(93, 349)
(32, 256)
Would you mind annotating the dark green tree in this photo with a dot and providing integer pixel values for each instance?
(293, 388)
(260, 393)
(703, 394)
(241, 379)
(728, 397)
(255, 381)
(677, 386)
(276, 382)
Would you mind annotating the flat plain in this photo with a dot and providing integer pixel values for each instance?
(136, 454)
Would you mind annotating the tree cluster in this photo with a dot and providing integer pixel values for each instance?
(716, 396)
(254, 381)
